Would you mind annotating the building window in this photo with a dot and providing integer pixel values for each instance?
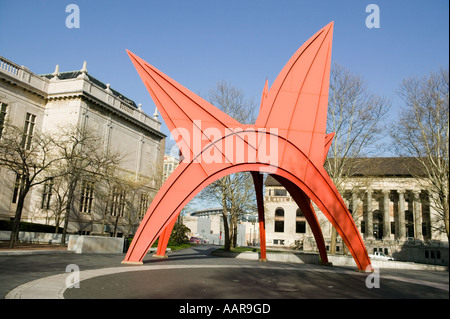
(28, 130)
(143, 205)
(117, 203)
(87, 196)
(433, 254)
(280, 192)
(409, 223)
(279, 220)
(377, 224)
(425, 229)
(300, 227)
(300, 224)
(20, 181)
(47, 194)
(2, 117)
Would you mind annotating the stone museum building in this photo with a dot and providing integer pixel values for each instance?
(389, 203)
(207, 225)
(64, 99)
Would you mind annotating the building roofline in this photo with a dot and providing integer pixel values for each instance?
(377, 167)
(68, 75)
(43, 85)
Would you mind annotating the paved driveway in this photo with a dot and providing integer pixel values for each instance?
(195, 274)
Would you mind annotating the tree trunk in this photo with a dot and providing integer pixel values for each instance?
(68, 210)
(446, 216)
(226, 230)
(116, 222)
(57, 223)
(16, 224)
(233, 227)
(333, 240)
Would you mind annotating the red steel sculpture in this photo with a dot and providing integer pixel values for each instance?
(287, 141)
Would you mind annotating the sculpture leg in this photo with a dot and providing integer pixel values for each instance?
(258, 181)
(305, 205)
(181, 186)
(329, 201)
(164, 240)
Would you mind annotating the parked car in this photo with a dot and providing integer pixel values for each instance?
(380, 256)
(195, 240)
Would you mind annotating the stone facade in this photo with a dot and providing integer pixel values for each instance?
(391, 209)
(170, 164)
(207, 225)
(63, 99)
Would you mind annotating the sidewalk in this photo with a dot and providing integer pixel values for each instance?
(42, 272)
(30, 248)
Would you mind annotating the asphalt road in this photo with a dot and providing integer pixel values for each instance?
(194, 274)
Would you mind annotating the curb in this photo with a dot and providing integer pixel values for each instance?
(33, 252)
(334, 260)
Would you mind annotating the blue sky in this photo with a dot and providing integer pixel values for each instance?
(201, 42)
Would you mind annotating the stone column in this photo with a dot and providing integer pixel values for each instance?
(369, 216)
(417, 212)
(356, 218)
(386, 217)
(401, 215)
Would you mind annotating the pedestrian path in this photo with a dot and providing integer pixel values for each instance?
(98, 276)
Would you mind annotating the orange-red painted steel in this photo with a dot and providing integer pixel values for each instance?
(287, 141)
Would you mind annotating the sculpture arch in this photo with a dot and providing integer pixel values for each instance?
(292, 116)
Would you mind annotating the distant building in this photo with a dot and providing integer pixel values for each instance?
(170, 164)
(390, 206)
(45, 102)
(207, 225)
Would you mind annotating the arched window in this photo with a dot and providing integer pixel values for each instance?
(279, 220)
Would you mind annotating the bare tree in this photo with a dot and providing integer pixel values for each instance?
(234, 192)
(356, 116)
(232, 101)
(27, 152)
(138, 200)
(59, 203)
(122, 198)
(84, 156)
(123, 202)
(422, 131)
